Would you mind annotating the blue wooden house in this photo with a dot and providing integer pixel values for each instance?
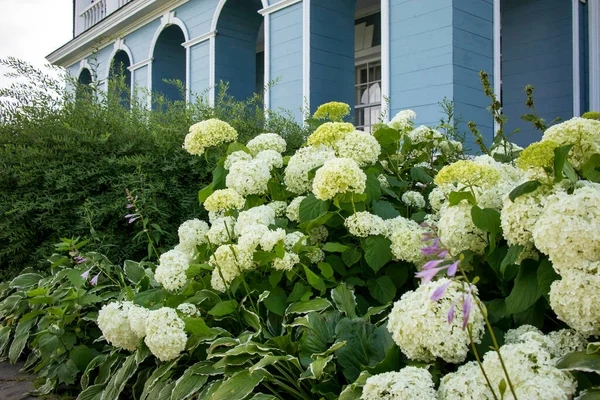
(413, 52)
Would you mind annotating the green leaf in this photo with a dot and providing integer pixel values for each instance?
(351, 256)
(345, 300)
(487, 220)
(382, 289)
(386, 136)
(545, 276)
(373, 187)
(25, 281)
(511, 258)
(580, 361)
(93, 392)
(569, 172)
(525, 291)
(276, 301)
(589, 394)
(196, 326)
(456, 197)
(67, 372)
(560, 157)
(303, 307)
(318, 335)
(204, 193)
(223, 308)
(384, 209)
(314, 280)
(188, 385)
(333, 247)
(377, 251)
(312, 208)
(22, 333)
(133, 271)
(420, 175)
(81, 356)
(524, 188)
(590, 170)
(118, 381)
(240, 385)
(326, 270)
(236, 146)
(219, 174)
(149, 297)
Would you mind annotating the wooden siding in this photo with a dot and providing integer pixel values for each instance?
(169, 62)
(140, 81)
(197, 16)
(420, 57)
(331, 52)
(139, 41)
(286, 60)
(537, 50)
(235, 46)
(473, 51)
(200, 69)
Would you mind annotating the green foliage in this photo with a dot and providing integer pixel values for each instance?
(67, 157)
(592, 115)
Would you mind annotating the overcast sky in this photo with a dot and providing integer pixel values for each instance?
(31, 29)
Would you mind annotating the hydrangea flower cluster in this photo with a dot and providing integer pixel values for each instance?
(329, 133)
(406, 236)
(360, 146)
(407, 384)
(582, 133)
(413, 199)
(171, 269)
(192, 233)
(334, 110)
(363, 224)
(205, 134)
(420, 327)
(249, 177)
(402, 120)
(223, 200)
(113, 321)
(165, 334)
(229, 261)
(267, 141)
(296, 176)
(336, 176)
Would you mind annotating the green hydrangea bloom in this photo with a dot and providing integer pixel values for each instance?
(468, 173)
(537, 155)
(334, 110)
(329, 133)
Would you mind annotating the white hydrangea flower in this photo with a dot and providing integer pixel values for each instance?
(437, 198)
(252, 236)
(291, 239)
(423, 134)
(137, 317)
(212, 132)
(514, 335)
(279, 207)
(383, 181)
(192, 233)
(360, 146)
(214, 216)
(296, 177)
(271, 158)
(336, 176)
(271, 238)
(228, 262)
(236, 156)
(318, 234)
(413, 199)
(557, 343)
(575, 299)
(188, 309)
(458, 232)
(287, 262)
(293, 210)
(406, 236)
(267, 141)
(519, 217)
(567, 230)
(223, 200)
(408, 384)
(165, 334)
(363, 224)
(248, 177)
(420, 327)
(467, 383)
(402, 120)
(506, 149)
(449, 147)
(316, 255)
(532, 371)
(583, 133)
(260, 215)
(113, 321)
(170, 272)
(222, 230)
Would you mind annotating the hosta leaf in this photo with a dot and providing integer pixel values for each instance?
(188, 385)
(240, 385)
(345, 300)
(25, 281)
(303, 307)
(580, 361)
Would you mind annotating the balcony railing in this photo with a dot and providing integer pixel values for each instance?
(98, 10)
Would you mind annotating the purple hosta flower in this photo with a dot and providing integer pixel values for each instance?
(86, 274)
(129, 206)
(428, 274)
(451, 313)
(432, 264)
(94, 280)
(467, 307)
(453, 268)
(431, 269)
(438, 293)
(132, 220)
(80, 259)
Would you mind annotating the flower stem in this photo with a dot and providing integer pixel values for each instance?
(470, 329)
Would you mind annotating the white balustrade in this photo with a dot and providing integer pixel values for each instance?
(98, 10)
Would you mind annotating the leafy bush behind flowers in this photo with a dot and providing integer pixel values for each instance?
(302, 284)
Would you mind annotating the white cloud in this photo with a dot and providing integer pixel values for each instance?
(32, 29)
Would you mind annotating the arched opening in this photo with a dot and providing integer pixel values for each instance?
(119, 77)
(169, 63)
(236, 46)
(84, 81)
(367, 62)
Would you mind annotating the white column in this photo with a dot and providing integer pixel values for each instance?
(385, 55)
(267, 62)
(576, 63)
(594, 54)
(111, 6)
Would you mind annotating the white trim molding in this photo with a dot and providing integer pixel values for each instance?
(269, 9)
(83, 64)
(576, 62)
(199, 39)
(497, 23)
(267, 63)
(118, 46)
(306, 53)
(141, 64)
(385, 53)
(594, 54)
(120, 23)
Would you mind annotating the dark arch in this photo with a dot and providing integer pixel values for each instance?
(85, 77)
(235, 46)
(119, 77)
(169, 62)
(84, 88)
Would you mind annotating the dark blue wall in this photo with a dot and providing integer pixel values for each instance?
(537, 50)
(119, 73)
(235, 46)
(169, 62)
(331, 52)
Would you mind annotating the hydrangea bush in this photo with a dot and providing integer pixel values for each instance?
(367, 266)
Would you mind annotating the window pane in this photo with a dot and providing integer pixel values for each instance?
(362, 96)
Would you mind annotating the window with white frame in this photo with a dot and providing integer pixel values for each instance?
(367, 77)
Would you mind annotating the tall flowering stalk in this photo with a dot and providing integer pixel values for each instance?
(136, 214)
(443, 262)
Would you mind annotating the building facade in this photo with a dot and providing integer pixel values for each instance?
(372, 54)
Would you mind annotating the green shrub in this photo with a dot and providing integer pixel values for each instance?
(592, 115)
(67, 157)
